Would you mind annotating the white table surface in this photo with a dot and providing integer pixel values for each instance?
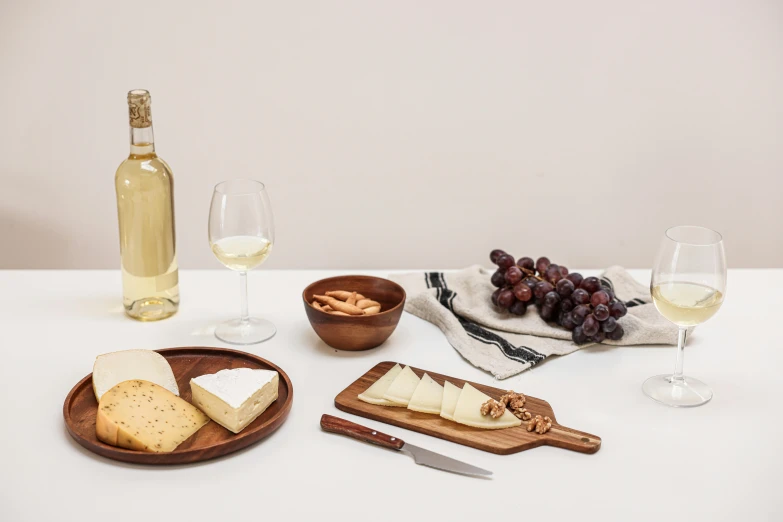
(718, 462)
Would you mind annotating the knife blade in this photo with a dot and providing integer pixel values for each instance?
(421, 456)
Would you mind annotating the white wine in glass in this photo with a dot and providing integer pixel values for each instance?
(241, 234)
(688, 284)
(242, 253)
(686, 304)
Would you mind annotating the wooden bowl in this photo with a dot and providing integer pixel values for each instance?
(358, 332)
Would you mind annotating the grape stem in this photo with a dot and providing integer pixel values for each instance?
(530, 273)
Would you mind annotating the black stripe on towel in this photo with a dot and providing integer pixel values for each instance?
(435, 280)
(521, 354)
(607, 283)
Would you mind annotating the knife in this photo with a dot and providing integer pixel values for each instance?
(420, 455)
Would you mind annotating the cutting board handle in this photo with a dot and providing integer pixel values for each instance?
(359, 432)
(575, 440)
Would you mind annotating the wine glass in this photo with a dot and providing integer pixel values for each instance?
(241, 234)
(688, 286)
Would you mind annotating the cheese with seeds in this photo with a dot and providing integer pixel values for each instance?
(374, 394)
(468, 411)
(450, 397)
(110, 369)
(427, 397)
(401, 389)
(140, 415)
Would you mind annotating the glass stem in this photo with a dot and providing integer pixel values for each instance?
(681, 337)
(244, 317)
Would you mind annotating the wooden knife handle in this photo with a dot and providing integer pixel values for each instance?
(359, 432)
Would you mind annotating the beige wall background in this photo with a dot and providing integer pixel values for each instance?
(401, 134)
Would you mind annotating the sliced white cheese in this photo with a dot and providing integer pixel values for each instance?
(110, 369)
(402, 388)
(374, 394)
(450, 397)
(427, 397)
(468, 411)
(235, 398)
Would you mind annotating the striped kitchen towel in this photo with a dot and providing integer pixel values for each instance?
(505, 344)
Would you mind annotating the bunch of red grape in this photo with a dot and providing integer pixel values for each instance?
(578, 304)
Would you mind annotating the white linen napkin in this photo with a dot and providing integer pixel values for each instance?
(505, 344)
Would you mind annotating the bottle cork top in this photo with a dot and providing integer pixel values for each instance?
(139, 108)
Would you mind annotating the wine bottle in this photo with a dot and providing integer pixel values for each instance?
(145, 208)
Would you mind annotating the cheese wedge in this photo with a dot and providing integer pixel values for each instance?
(468, 411)
(374, 394)
(450, 397)
(401, 389)
(427, 397)
(113, 368)
(141, 415)
(235, 398)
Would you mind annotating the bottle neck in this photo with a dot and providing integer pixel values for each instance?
(142, 141)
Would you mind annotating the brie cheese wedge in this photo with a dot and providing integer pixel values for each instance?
(450, 397)
(110, 369)
(427, 397)
(401, 389)
(235, 398)
(374, 394)
(468, 411)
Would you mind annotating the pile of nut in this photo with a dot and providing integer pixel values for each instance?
(516, 402)
(342, 302)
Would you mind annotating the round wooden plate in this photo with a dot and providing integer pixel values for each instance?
(213, 440)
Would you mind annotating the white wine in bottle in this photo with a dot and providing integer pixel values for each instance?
(145, 207)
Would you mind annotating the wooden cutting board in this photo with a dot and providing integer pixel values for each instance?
(502, 442)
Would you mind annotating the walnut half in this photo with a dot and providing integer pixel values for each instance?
(540, 424)
(493, 408)
(514, 400)
(511, 399)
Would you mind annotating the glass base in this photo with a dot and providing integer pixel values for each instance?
(253, 331)
(684, 393)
